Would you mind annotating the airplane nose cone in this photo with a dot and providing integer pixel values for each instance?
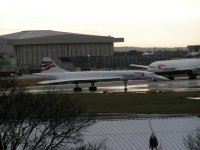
(161, 78)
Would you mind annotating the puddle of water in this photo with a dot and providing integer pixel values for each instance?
(193, 98)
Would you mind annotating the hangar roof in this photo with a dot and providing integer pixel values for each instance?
(34, 34)
(134, 134)
(49, 36)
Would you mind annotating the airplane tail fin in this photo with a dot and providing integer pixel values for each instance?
(49, 66)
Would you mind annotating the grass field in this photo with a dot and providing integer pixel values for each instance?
(138, 103)
(141, 103)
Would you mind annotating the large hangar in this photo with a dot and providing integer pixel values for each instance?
(28, 47)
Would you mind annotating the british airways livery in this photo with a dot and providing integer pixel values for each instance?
(191, 67)
(60, 76)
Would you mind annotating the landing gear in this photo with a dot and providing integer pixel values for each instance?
(170, 77)
(125, 89)
(92, 88)
(125, 85)
(192, 75)
(77, 88)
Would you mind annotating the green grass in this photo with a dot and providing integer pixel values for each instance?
(138, 103)
(141, 103)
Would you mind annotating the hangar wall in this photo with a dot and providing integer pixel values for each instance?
(33, 54)
(29, 47)
(7, 49)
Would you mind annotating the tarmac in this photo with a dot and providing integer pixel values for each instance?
(180, 84)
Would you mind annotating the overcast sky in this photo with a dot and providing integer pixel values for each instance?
(142, 23)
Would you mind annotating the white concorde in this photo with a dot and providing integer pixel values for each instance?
(60, 76)
(191, 67)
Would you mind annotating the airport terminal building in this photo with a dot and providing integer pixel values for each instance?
(193, 51)
(29, 47)
(193, 48)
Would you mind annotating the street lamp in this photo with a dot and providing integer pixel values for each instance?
(89, 63)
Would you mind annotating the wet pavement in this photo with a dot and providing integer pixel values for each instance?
(178, 85)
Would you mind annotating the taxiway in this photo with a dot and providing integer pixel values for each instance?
(180, 84)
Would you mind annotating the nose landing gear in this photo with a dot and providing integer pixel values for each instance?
(125, 85)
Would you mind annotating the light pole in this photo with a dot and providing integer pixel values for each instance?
(88, 56)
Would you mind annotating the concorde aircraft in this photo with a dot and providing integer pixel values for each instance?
(191, 67)
(60, 76)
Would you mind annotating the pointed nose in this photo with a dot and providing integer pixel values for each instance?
(161, 78)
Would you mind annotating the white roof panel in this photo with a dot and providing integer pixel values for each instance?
(49, 36)
(33, 34)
